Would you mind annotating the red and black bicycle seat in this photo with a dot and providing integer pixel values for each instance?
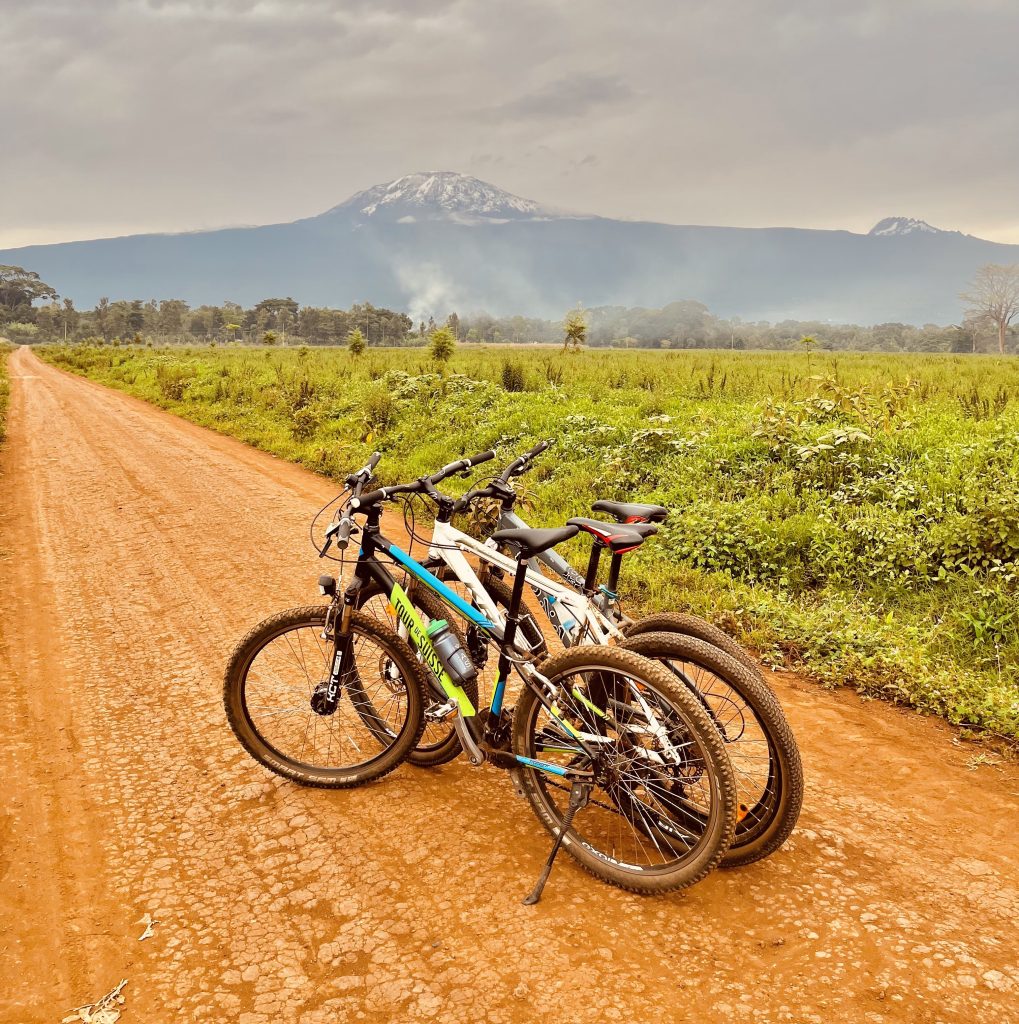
(613, 536)
(627, 512)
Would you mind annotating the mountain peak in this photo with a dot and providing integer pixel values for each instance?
(904, 226)
(439, 195)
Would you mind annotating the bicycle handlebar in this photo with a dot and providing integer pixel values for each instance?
(425, 484)
(363, 475)
(518, 465)
(457, 467)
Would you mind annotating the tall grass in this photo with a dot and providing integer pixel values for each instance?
(853, 515)
(5, 387)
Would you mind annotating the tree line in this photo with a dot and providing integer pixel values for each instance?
(31, 310)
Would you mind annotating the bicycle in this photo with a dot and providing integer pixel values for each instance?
(759, 741)
(596, 728)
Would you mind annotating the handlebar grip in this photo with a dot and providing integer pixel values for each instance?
(342, 535)
(372, 496)
(457, 467)
(364, 474)
(519, 464)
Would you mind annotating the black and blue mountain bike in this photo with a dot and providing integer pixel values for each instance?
(620, 762)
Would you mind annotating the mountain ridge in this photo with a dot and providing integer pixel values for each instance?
(431, 242)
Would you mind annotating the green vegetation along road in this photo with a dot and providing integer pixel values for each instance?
(856, 516)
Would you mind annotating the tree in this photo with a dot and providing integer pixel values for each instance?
(103, 317)
(171, 316)
(69, 318)
(443, 344)
(19, 289)
(355, 342)
(136, 317)
(47, 319)
(574, 331)
(281, 312)
(994, 297)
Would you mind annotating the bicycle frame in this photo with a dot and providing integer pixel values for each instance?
(449, 544)
(481, 740)
(597, 625)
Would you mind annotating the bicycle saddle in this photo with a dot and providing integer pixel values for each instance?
(532, 542)
(624, 512)
(614, 537)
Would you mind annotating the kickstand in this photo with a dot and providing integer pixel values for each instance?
(579, 793)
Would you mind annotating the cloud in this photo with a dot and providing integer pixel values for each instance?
(572, 96)
(129, 115)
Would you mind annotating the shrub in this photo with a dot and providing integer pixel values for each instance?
(172, 382)
(442, 344)
(378, 413)
(512, 376)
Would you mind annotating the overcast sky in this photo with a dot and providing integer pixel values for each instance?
(137, 115)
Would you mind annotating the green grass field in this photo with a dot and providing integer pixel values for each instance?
(856, 516)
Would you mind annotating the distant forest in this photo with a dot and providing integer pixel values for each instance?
(31, 311)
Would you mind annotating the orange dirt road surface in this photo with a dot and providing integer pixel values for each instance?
(138, 548)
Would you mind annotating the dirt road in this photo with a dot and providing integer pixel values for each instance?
(137, 549)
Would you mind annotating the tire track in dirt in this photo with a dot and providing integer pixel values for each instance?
(140, 548)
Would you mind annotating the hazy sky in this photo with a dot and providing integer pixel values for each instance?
(139, 115)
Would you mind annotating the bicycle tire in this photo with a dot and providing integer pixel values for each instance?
(695, 626)
(719, 821)
(238, 712)
(768, 821)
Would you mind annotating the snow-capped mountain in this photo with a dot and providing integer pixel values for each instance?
(440, 195)
(904, 226)
(434, 242)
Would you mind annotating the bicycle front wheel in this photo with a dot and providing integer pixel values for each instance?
(278, 705)
(663, 804)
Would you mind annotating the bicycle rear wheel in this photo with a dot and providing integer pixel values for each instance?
(276, 701)
(757, 737)
(693, 625)
(659, 762)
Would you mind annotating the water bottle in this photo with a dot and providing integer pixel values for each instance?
(455, 660)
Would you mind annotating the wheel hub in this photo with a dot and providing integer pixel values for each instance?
(321, 701)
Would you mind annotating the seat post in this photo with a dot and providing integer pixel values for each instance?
(516, 600)
(614, 567)
(592, 567)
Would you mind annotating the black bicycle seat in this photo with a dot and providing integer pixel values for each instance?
(613, 536)
(532, 542)
(625, 512)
